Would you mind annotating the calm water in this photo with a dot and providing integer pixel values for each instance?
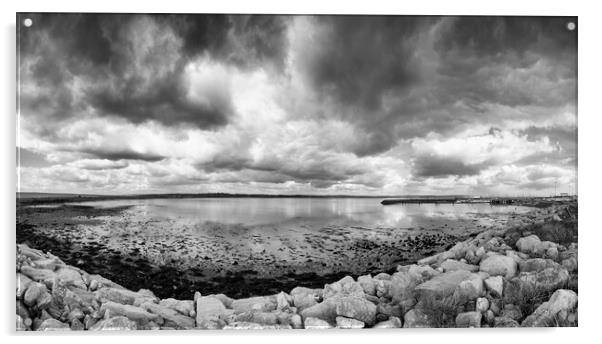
(367, 212)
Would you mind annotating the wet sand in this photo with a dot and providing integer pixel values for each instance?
(174, 260)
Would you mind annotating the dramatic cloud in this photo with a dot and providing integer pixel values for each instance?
(297, 104)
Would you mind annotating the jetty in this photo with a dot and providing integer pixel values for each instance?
(420, 200)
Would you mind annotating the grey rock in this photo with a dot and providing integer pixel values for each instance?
(295, 321)
(175, 318)
(38, 275)
(495, 285)
(416, 318)
(453, 265)
(444, 284)
(53, 325)
(348, 323)
(344, 287)
(498, 265)
(532, 283)
(325, 310)
(562, 302)
(184, 307)
(393, 322)
(208, 308)
(402, 286)
(70, 276)
(356, 308)
(367, 284)
(118, 323)
(123, 296)
(259, 303)
(77, 325)
(316, 324)
(469, 319)
(134, 313)
(305, 297)
(570, 264)
(253, 326)
(37, 296)
(482, 305)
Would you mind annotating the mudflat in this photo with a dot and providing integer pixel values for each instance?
(175, 257)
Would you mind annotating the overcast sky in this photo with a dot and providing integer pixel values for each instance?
(311, 105)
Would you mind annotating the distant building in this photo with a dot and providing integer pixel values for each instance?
(564, 194)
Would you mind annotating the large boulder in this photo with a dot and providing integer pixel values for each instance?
(70, 276)
(39, 275)
(393, 310)
(495, 285)
(356, 308)
(326, 310)
(47, 263)
(53, 325)
(536, 264)
(118, 323)
(304, 300)
(498, 265)
(258, 303)
(123, 296)
(316, 324)
(37, 296)
(382, 287)
(253, 326)
(470, 289)
(444, 284)
(482, 305)
(469, 319)
(209, 309)
(393, 322)
(185, 307)
(528, 244)
(348, 323)
(528, 284)
(570, 264)
(556, 309)
(368, 284)
(173, 317)
(453, 265)
(533, 246)
(265, 318)
(416, 318)
(345, 287)
(422, 272)
(134, 313)
(402, 286)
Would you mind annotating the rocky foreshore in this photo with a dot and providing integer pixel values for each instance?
(523, 275)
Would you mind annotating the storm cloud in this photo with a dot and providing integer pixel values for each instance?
(121, 103)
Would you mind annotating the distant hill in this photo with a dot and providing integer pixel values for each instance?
(27, 195)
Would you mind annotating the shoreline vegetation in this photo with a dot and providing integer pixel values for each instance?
(524, 274)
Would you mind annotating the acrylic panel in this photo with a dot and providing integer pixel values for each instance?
(221, 171)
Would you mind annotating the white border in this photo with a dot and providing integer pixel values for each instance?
(589, 158)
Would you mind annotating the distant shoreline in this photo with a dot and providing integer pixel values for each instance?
(35, 198)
